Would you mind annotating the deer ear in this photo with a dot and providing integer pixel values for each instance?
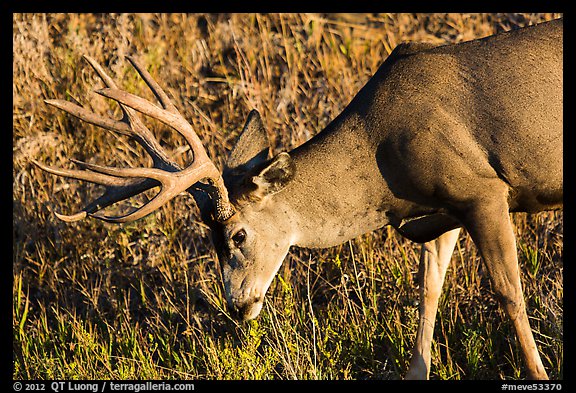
(275, 176)
(252, 147)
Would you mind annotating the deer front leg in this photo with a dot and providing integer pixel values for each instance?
(434, 259)
(490, 227)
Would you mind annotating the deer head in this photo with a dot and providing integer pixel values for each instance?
(250, 234)
(254, 241)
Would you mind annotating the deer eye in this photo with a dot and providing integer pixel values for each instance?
(239, 237)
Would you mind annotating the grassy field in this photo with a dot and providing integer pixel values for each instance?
(144, 300)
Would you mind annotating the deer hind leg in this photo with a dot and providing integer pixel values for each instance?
(490, 227)
(434, 260)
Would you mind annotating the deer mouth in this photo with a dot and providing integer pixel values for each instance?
(247, 310)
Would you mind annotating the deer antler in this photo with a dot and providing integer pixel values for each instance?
(123, 183)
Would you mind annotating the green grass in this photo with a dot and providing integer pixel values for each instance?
(144, 300)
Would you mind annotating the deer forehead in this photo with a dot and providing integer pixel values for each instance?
(253, 214)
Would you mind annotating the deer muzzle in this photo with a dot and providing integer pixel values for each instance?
(246, 309)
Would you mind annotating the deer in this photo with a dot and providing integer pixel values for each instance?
(440, 138)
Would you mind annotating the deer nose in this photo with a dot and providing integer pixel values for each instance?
(245, 310)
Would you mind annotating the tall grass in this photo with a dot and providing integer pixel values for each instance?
(144, 300)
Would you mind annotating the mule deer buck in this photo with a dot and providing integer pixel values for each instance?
(440, 138)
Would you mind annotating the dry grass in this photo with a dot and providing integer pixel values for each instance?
(143, 300)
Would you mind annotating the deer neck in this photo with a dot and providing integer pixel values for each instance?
(338, 192)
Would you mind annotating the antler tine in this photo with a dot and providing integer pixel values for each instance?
(118, 126)
(100, 71)
(117, 189)
(96, 178)
(153, 85)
